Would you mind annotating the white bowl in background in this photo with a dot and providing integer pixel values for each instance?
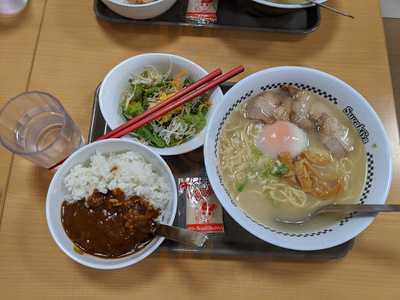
(139, 11)
(116, 83)
(360, 113)
(56, 195)
(286, 5)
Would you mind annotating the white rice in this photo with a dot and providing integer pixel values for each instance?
(128, 171)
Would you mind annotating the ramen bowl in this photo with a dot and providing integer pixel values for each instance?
(281, 4)
(354, 107)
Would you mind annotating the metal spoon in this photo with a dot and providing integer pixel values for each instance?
(180, 235)
(339, 12)
(359, 209)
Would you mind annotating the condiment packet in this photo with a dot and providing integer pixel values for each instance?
(203, 210)
(202, 11)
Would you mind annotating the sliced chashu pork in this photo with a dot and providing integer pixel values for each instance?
(301, 105)
(334, 135)
(294, 105)
(268, 107)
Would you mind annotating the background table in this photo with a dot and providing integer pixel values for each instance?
(74, 53)
(18, 40)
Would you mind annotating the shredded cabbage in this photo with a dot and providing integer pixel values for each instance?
(151, 87)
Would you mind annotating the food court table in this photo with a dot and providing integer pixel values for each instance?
(18, 40)
(73, 53)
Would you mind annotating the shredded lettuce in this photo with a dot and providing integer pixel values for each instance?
(196, 120)
(150, 88)
(147, 134)
(133, 109)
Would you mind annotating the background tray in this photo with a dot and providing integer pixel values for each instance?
(232, 14)
(235, 242)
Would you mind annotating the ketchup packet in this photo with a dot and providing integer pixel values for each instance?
(202, 11)
(203, 210)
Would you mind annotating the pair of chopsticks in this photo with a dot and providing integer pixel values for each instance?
(185, 95)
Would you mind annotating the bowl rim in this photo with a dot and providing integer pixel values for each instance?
(286, 5)
(116, 2)
(192, 144)
(146, 252)
(237, 213)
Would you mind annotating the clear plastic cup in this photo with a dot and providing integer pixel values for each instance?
(11, 7)
(35, 126)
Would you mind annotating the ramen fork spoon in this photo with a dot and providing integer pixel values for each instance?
(335, 10)
(359, 210)
(181, 235)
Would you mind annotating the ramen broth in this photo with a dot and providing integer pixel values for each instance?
(241, 166)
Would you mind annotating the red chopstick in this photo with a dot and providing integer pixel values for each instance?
(181, 93)
(171, 99)
(172, 103)
(164, 110)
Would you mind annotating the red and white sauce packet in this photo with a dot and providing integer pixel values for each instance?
(203, 210)
(202, 11)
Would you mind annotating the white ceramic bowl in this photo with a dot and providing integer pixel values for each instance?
(116, 83)
(139, 11)
(360, 113)
(56, 193)
(286, 5)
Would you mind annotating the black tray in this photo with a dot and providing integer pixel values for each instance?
(235, 242)
(232, 14)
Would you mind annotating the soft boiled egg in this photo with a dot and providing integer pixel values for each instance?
(281, 137)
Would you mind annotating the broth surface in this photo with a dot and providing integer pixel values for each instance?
(240, 169)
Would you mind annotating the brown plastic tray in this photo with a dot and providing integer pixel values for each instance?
(232, 14)
(235, 241)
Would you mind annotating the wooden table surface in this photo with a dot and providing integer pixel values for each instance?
(18, 40)
(74, 53)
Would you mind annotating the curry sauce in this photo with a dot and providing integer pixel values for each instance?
(109, 225)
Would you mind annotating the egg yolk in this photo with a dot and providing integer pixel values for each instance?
(281, 137)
